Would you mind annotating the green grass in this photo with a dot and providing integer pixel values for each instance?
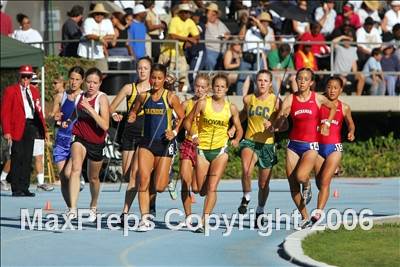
(379, 246)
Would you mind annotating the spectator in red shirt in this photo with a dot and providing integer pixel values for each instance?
(348, 12)
(315, 35)
(304, 58)
(6, 27)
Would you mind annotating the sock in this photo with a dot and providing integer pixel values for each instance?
(260, 209)
(3, 175)
(40, 178)
(247, 196)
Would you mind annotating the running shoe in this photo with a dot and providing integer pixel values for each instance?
(306, 223)
(306, 193)
(143, 227)
(243, 206)
(172, 189)
(256, 220)
(72, 214)
(45, 187)
(200, 230)
(5, 186)
(92, 215)
(315, 218)
(82, 184)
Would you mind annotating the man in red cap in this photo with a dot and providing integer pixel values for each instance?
(22, 121)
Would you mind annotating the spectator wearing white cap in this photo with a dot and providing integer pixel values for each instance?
(99, 29)
(391, 17)
(138, 30)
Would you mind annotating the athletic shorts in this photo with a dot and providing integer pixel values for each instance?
(94, 152)
(301, 147)
(159, 148)
(326, 149)
(188, 150)
(266, 153)
(62, 148)
(131, 135)
(38, 147)
(212, 154)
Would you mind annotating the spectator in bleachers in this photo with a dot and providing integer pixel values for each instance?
(300, 27)
(391, 63)
(119, 48)
(155, 27)
(326, 16)
(232, 59)
(373, 73)
(321, 50)
(96, 27)
(345, 62)
(253, 53)
(348, 12)
(6, 26)
(280, 59)
(304, 58)
(25, 33)
(137, 31)
(369, 9)
(183, 29)
(391, 17)
(393, 36)
(71, 30)
(196, 53)
(367, 34)
(215, 29)
(128, 16)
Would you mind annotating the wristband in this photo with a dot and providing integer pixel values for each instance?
(195, 136)
(175, 133)
(327, 123)
(115, 113)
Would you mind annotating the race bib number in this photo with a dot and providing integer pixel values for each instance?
(339, 147)
(314, 146)
(171, 150)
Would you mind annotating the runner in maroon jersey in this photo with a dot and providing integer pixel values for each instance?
(330, 146)
(88, 139)
(302, 150)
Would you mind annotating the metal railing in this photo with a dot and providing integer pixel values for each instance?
(223, 43)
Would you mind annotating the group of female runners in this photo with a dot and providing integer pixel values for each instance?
(210, 121)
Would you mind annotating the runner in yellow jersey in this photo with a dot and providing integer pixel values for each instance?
(258, 145)
(132, 131)
(212, 157)
(188, 148)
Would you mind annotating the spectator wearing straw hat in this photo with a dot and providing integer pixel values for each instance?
(215, 29)
(99, 29)
(369, 9)
(22, 120)
(71, 30)
(392, 17)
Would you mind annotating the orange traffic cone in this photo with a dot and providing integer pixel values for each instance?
(192, 197)
(336, 194)
(47, 206)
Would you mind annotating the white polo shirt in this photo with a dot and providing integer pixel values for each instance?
(90, 26)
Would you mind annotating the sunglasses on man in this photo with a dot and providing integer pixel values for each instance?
(26, 76)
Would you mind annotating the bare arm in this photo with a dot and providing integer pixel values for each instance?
(322, 100)
(237, 124)
(102, 118)
(55, 112)
(134, 111)
(124, 92)
(228, 59)
(283, 113)
(349, 121)
(384, 24)
(190, 119)
(176, 105)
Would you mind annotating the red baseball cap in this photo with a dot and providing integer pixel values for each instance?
(347, 7)
(25, 69)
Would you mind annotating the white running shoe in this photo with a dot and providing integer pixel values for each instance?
(72, 214)
(92, 214)
(143, 227)
(306, 223)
